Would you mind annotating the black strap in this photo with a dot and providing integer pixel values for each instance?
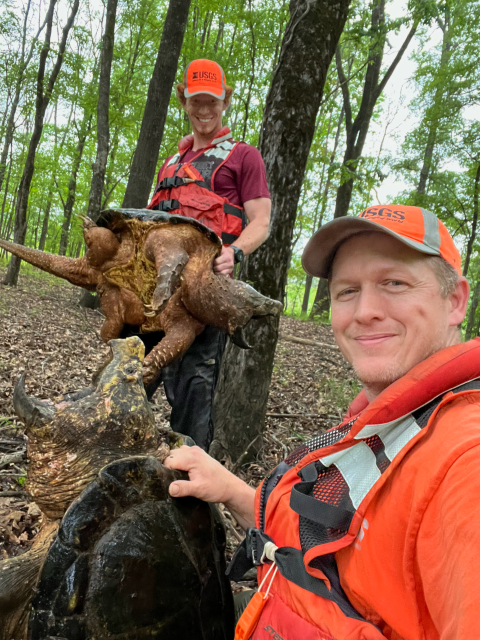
(249, 554)
(168, 205)
(290, 564)
(232, 210)
(170, 183)
(329, 516)
(228, 238)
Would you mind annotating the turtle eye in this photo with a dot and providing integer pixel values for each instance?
(131, 370)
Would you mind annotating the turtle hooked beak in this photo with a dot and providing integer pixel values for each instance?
(29, 409)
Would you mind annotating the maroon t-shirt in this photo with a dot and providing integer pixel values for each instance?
(241, 178)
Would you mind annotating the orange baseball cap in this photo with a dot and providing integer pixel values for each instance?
(418, 228)
(204, 76)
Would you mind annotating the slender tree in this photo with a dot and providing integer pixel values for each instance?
(433, 114)
(103, 105)
(25, 57)
(357, 126)
(145, 159)
(69, 203)
(286, 135)
(42, 102)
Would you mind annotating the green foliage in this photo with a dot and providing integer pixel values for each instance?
(245, 37)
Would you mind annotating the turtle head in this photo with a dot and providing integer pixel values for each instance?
(68, 443)
(123, 368)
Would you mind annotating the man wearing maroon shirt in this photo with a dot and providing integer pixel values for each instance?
(235, 172)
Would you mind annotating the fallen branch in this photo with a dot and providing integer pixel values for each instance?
(10, 494)
(239, 461)
(312, 343)
(275, 439)
(11, 458)
(297, 415)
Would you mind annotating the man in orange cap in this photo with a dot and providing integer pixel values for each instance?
(222, 183)
(372, 529)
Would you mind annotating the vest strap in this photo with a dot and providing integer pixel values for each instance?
(169, 183)
(168, 205)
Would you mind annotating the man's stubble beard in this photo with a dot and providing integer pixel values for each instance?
(376, 383)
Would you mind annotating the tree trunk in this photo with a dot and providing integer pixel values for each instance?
(46, 217)
(87, 299)
(321, 304)
(473, 233)
(433, 112)
(72, 186)
(23, 64)
(103, 104)
(145, 159)
(43, 99)
(472, 312)
(286, 136)
(306, 293)
(357, 128)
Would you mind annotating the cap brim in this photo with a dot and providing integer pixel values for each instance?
(208, 91)
(320, 251)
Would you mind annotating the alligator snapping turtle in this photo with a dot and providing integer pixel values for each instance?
(154, 271)
(127, 560)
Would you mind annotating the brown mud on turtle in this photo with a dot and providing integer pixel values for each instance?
(127, 560)
(153, 271)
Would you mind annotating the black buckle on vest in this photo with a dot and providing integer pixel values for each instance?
(255, 543)
(250, 553)
(168, 205)
(170, 183)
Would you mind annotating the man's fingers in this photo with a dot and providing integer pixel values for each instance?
(180, 488)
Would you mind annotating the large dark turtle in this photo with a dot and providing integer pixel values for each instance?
(123, 526)
(131, 562)
(154, 271)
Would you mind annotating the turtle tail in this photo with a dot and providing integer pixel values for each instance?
(75, 270)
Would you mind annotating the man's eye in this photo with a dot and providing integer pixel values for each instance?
(346, 292)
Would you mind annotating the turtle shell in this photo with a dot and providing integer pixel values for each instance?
(111, 217)
(132, 562)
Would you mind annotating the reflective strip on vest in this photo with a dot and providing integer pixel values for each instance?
(359, 464)
(173, 160)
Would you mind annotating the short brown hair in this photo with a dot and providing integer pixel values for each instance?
(446, 275)
(180, 89)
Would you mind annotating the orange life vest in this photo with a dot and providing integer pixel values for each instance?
(184, 190)
(313, 504)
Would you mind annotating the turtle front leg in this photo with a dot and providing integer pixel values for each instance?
(170, 259)
(180, 329)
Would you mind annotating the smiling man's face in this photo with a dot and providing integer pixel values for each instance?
(205, 113)
(387, 311)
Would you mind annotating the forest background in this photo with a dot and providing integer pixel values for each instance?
(398, 121)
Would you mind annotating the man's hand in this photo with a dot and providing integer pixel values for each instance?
(210, 481)
(224, 264)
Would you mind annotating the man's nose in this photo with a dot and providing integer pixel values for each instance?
(370, 305)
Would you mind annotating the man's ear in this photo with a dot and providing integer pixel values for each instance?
(459, 302)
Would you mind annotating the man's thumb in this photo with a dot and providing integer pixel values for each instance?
(178, 489)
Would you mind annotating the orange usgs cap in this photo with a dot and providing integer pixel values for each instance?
(204, 76)
(418, 228)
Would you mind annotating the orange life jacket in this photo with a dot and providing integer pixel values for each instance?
(313, 504)
(184, 190)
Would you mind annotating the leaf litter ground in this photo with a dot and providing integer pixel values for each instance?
(56, 344)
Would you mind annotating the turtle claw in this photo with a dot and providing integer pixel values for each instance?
(177, 440)
(150, 311)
